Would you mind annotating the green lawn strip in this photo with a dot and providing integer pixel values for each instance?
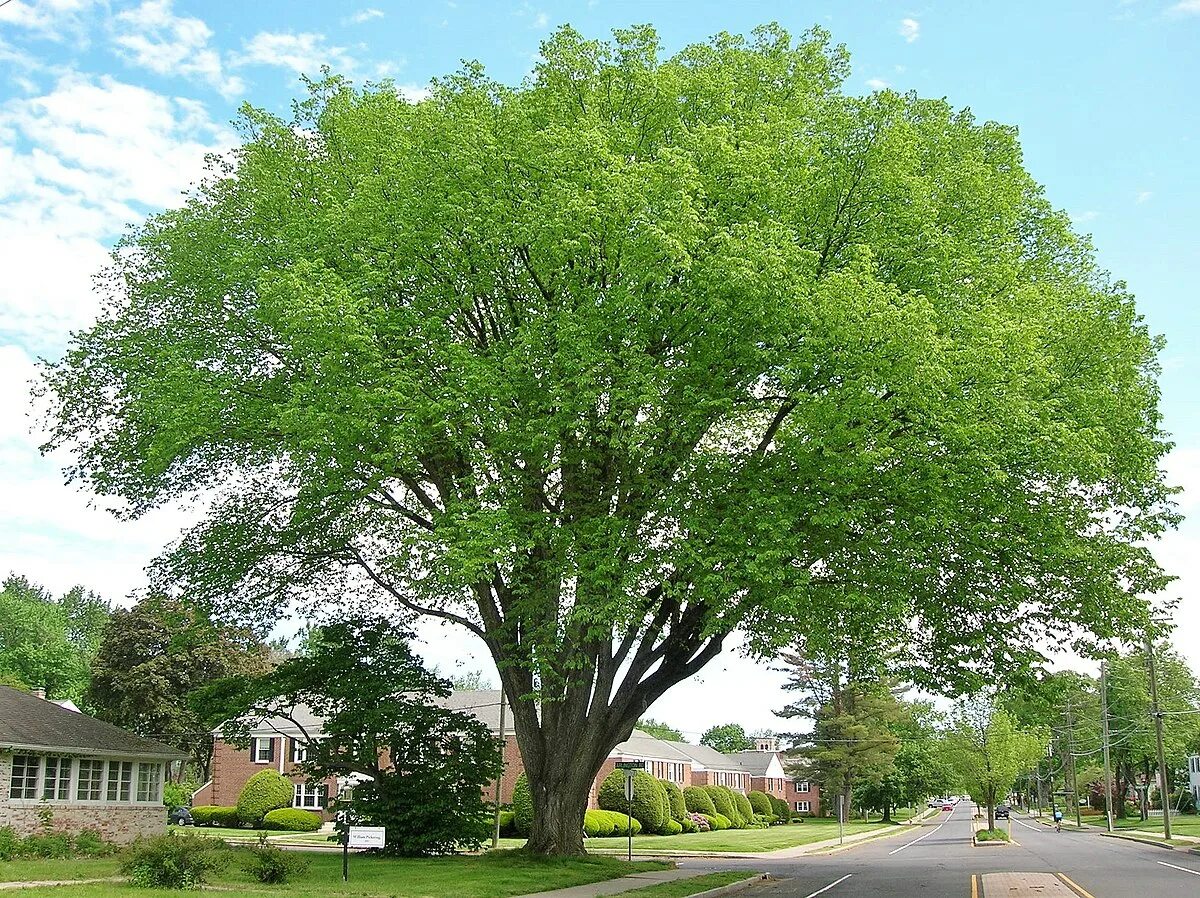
(23, 870)
(495, 875)
(229, 832)
(680, 888)
(1187, 826)
(991, 835)
(739, 840)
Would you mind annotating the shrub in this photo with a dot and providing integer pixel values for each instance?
(761, 802)
(174, 861)
(178, 795)
(698, 801)
(89, 844)
(672, 827)
(781, 810)
(9, 843)
(689, 825)
(597, 824)
(742, 805)
(717, 821)
(270, 864)
(266, 791)
(507, 821)
(46, 845)
(675, 804)
(522, 807)
(292, 818)
(649, 799)
(720, 801)
(621, 824)
(215, 815)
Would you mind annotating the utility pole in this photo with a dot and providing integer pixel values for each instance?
(1163, 786)
(500, 778)
(1071, 755)
(1108, 796)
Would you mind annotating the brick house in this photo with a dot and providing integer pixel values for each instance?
(278, 744)
(82, 772)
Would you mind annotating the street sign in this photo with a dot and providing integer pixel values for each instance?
(628, 788)
(367, 837)
(631, 765)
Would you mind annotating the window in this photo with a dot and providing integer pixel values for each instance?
(24, 776)
(309, 795)
(149, 786)
(299, 751)
(56, 784)
(802, 786)
(120, 778)
(91, 776)
(802, 807)
(263, 751)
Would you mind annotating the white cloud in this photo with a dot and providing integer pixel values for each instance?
(1185, 8)
(877, 84)
(363, 15)
(153, 37)
(541, 20)
(303, 53)
(413, 93)
(49, 19)
(910, 29)
(1143, 196)
(1084, 217)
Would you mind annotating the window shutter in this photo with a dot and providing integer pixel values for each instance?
(253, 749)
(270, 749)
(292, 750)
(323, 795)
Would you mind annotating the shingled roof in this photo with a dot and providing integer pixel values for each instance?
(34, 724)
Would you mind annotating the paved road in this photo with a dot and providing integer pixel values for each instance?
(937, 860)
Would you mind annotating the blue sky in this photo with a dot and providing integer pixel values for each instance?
(106, 110)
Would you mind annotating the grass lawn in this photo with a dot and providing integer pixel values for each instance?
(738, 840)
(991, 835)
(229, 832)
(680, 888)
(1188, 825)
(495, 875)
(66, 868)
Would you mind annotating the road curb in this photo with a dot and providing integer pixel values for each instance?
(1140, 841)
(731, 888)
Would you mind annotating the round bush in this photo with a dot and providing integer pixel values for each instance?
(507, 821)
(649, 799)
(761, 802)
(672, 827)
(675, 804)
(698, 801)
(780, 809)
(173, 861)
(522, 807)
(716, 821)
(266, 791)
(720, 801)
(292, 818)
(688, 824)
(735, 817)
(597, 824)
(742, 805)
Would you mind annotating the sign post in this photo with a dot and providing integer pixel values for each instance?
(841, 820)
(360, 837)
(630, 768)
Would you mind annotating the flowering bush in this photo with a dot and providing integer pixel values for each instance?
(701, 822)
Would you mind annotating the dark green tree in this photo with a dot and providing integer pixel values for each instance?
(660, 730)
(153, 664)
(727, 738)
(421, 768)
(608, 365)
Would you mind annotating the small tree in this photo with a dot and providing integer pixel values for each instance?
(422, 768)
(727, 738)
(988, 753)
(659, 730)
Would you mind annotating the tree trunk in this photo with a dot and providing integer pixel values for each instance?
(560, 798)
(991, 803)
(887, 811)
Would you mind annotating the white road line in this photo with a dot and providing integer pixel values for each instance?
(828, 887)
(1026, 825)
(1165, 864)
(926, 836)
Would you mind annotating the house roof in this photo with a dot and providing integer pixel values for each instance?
(758, 763)
(707, 758)
(643, 746)
(29, 722)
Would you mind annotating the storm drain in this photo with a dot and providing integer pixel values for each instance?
(1024, 885)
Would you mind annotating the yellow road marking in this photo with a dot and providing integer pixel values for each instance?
(974, 886)
(1076, 886)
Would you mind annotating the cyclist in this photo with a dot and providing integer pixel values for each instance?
(1058, 818)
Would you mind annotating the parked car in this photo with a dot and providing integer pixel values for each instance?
(180, 817)
(947, 806)
(1001, 812)
(934, 803)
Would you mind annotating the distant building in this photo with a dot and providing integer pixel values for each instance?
(87, 773)
(1194, 777)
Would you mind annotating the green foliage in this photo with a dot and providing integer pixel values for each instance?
(215, 815)
(265, 791)
(466, 353)
(426, 765)
(991, 835)
(659, 730)
(178, 795)
(598, 823)
(689, 824)
(649, 799)
(727, 738)
(296, 819)
(761, 803)
(742, 805)
(718, 821)
(508, 822)
(10, 843)
(676, 806)
(154, 664)
(522, 806)
(46, 845)
(270, 864)
(174, 861)
(672, 827)
(780, 809)
(697, 800)
(721, 801)
(89, 843)
(987, 752)
(48, 642)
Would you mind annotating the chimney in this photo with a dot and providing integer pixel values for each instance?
(766, 743)
(39, 692)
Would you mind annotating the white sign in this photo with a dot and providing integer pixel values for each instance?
(629, 786)
(367, 836)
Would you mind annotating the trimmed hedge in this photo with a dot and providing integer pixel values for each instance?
(507, 823)
(781, 809)
(292, 818)
(698, 801)
(522, 807)
(675, 804)
(267, 790)
(761, 802)
(720, 801)
(742, 805)
(673, 827)
(716, 821)
(215, 815)
(649, 799)
(597, 824)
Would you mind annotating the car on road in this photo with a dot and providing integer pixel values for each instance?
(947, 807)
(1001, 812)
(934, 803)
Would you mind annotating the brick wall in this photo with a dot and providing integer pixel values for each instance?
(812, 796)
(771, 785)
(700, 777)
(232, 766)
(119, 823)
(606, 768)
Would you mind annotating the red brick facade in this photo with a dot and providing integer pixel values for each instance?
(798, 797)
(233, 766)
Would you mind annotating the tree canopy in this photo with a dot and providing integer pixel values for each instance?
(660, 730)
(609, 364)
(727, 737)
